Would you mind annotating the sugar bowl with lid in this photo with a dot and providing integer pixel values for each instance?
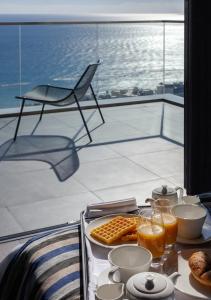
(150, 285)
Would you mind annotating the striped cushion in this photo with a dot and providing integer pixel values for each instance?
(47, 267)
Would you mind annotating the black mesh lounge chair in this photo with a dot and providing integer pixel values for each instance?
(58, 96)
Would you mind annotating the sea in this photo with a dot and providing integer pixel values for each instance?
(133, 55)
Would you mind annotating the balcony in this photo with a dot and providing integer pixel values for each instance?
(44, 183)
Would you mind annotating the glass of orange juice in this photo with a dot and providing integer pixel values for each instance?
(151, 235)
(169, 221)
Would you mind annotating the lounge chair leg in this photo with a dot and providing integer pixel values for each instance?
(82, 116)
(41, 112)
(97, 103)
(19, 119)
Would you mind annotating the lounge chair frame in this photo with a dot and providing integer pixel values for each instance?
(60, 97)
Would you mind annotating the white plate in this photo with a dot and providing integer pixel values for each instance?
(186, 283)
(204, 238)
(101, 221)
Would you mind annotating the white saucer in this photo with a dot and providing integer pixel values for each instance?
(204, 238)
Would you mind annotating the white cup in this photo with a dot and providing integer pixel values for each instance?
(110, 292)
(128, 260)
(190, 219)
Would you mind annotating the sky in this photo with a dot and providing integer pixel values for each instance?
(92, 7)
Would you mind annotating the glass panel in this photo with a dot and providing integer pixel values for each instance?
(174, 59)
(56, 54)
(49, 54)
(9, 62)
(45, 180)
(173, 123)
(132, 59)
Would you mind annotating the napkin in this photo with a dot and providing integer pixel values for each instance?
(206, 202)
(111, 207)
(95, 267)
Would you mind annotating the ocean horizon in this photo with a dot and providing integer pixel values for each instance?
(88, 17)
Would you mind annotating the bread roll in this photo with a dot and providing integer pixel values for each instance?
(200, 265)
(199, 262)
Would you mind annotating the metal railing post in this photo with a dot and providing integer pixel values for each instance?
(164, 56)
(20, 60)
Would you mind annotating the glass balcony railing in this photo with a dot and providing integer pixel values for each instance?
(139, 58)
(51, 172)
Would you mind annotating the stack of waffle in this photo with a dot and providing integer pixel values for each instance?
(119, 229)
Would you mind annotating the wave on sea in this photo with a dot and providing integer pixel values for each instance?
(63, 78)
(14, 84)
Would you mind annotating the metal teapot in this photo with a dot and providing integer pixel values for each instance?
(168, 193)
(150, 285)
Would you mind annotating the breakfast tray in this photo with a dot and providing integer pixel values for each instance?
(85, 265)
(86, 254)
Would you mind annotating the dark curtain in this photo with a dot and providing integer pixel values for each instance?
(197, 96)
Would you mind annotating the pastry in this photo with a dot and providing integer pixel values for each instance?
(198, 262)
(200, 265)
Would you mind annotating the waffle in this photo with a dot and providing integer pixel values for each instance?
(130, 236)
(112, 231)
(136, 220)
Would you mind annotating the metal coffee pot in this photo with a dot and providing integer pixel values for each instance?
(150, 285)
(165, 192)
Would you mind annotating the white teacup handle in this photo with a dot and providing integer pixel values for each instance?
(111, 274)
(181, 191)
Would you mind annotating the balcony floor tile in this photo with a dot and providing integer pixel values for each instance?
(98, 153)
(33, 186)
(52, 211)
(142, 146)
(164, 164)
(139, 190)
(8, 224)
(113, 172)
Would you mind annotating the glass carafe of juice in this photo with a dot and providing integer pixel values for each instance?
(151, 235)
(169, 220)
